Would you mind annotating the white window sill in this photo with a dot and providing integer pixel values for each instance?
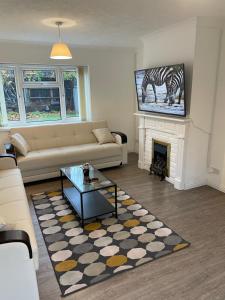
(18, 124)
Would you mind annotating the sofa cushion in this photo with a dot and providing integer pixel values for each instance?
(103, 135)
(68, 155)
(20, 143)
(59, 135)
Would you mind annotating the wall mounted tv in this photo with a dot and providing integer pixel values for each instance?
(161, 90)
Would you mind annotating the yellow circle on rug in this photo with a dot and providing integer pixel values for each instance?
(67, 218)
(111, 200)
(52, 194)
(128, 202)
(112, 189)
(66, 265)
(92, 226)
(116, 261)
(180, 246)
(131, 223)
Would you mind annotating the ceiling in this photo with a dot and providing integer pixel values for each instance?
(98, 22)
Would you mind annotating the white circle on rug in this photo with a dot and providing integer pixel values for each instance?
(115, 228)
(147, 218)
(140, 212)
(138, 230)
(119, 193)
(57, 246)
(70, 278)
(109, 250)
(103, 241)
(46, 217)
(52, 230)
(88, 258)
(38, 194)
(146, 238)
(134, 207)
(122, 268)
(95, 269)
(61, 207)
(123, 197)
(155, 246)
(74, 231)
(71, 224)
(106, 182)
(155, 225)
(109, 221)
(136, 253)
(97, 233)
(161, 232)
(121, 235)
(118, 204)
(61, 255)
(74, 288)
(103, 192)
(58, 202)
(56, 198)
(64, 212)
(42, 206)
(121, 210)
(79, 239)
(49, 223)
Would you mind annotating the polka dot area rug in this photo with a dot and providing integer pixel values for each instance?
(106, 246)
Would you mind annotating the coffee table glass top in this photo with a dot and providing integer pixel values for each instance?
(76, 177)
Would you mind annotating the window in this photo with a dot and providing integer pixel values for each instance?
(39, 94)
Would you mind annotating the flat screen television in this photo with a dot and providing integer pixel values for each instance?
(161, 90)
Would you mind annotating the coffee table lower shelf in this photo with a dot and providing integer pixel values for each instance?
(94, 203)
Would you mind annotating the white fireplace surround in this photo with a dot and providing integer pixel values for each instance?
(171, 130)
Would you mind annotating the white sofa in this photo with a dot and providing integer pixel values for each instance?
(54, 146)
(18, 247)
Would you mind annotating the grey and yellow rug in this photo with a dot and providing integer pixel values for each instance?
(105, 247)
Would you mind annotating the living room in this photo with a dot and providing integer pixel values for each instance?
(109, 186)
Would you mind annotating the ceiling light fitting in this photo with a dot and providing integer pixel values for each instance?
(60, 50)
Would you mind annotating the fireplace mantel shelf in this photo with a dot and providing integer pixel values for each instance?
(158, 117)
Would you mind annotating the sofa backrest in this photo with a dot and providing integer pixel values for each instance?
(59, 135)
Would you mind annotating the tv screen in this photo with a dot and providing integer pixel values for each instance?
(161, 90)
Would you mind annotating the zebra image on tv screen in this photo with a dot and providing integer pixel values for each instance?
(161, 89)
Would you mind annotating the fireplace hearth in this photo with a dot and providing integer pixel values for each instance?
(160, 165)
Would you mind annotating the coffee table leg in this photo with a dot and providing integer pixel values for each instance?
(116, 201)
(61, 179)
(82, 210)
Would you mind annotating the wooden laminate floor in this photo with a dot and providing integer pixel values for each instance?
(197, 272)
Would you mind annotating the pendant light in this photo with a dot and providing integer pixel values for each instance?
(60, 50)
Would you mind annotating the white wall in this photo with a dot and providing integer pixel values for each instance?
(111, 79)
(205, 67)
(216, 178)
(172, 45)
(196, 43)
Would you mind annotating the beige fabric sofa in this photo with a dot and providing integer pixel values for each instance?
(54, 146)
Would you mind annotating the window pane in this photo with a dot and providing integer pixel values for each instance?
(39, 75)
(8, 86)
(42, 104)
(71, 93)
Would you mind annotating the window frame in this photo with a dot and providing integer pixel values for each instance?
(21, 85)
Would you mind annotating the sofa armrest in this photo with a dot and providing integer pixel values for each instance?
(122, 136)
(121, 139)
(16, 236)
(10, 149)
(7, 161)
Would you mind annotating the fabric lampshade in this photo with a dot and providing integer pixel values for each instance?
(60, 51)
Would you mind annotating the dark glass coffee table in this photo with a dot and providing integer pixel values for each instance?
(86, 198)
